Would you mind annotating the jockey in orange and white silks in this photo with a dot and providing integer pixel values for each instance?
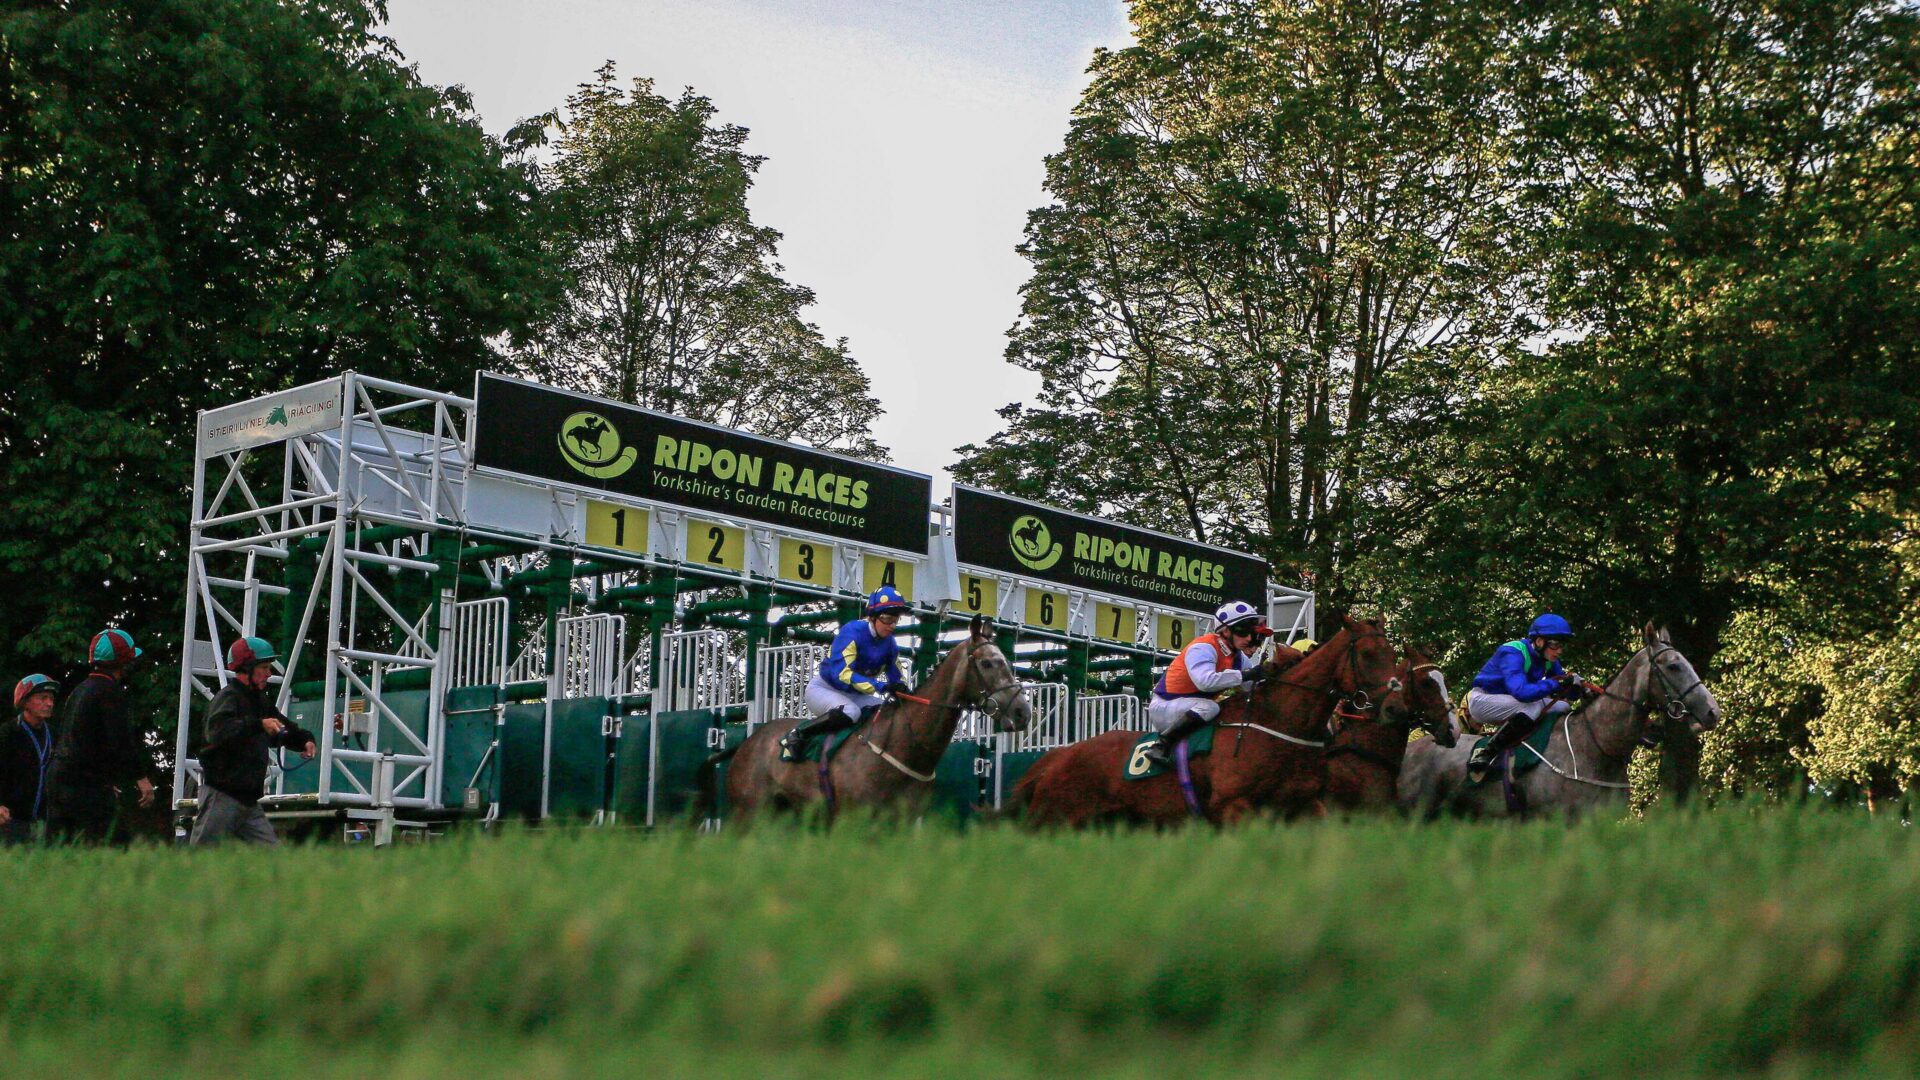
(1188, 694)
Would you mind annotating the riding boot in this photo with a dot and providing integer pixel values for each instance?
(1510, 735)
(793, 741)
(1161, 751)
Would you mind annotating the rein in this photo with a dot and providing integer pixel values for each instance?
(928, 777)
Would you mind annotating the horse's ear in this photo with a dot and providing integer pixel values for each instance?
(1649, 635)
(1352, 623)
(978, 628)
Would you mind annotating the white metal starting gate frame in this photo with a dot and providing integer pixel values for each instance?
(359, 547)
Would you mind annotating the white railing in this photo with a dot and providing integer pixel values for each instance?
(697, 671)
(1049, 727)
(780, 678)
(531, 664)
(479, 643)
(1099, 714)
(591, 657)
(636, 676)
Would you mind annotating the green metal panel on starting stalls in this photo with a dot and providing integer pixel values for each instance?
(577, 782)
(956, 780)
(303, 777)
(1014, 765)
(522, 754)
(669, 752)
(470, 724)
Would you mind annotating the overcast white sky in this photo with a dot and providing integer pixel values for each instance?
(903, 141)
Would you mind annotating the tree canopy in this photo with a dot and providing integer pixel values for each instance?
(674, 298)
(204, 201)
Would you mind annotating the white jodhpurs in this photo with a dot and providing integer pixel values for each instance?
(1493, 710)
(823, 697)
(1163, 713)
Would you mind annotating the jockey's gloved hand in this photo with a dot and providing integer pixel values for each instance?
(1258, 673)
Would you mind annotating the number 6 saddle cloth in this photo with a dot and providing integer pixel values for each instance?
(1139, 766)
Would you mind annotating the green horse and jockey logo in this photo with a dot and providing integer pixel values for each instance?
(277, 416)
(591, 444)
(1032, 543)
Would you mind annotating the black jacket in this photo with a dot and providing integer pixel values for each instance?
(20, 769)
(234, 759)
(97, 745)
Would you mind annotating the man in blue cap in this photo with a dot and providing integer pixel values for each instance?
(243, 728)
(98, 751)
(26, 746)
(1521, 684)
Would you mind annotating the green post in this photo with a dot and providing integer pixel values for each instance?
(1076, 674)
(759, 604)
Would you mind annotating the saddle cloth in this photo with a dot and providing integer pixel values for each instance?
(1524, 760)
(810, 749)
(1139, 766)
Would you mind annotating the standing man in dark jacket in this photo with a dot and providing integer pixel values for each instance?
(243, 727)
(97, 751)
(26, 748)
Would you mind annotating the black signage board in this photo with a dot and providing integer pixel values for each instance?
(1013, 536)
(590, 442)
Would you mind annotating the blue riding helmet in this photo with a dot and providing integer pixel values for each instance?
(1550, 625)
(884, 599)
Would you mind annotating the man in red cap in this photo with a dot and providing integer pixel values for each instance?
(99, 750)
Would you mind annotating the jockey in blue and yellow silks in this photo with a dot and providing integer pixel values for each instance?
(1521, 684)
(863, 665)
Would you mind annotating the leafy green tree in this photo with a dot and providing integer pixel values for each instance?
(204, 201)
(1273, 226)
(674, 298)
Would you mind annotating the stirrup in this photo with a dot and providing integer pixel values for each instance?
(1160, 752)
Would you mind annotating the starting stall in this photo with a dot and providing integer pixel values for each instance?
(533, 604)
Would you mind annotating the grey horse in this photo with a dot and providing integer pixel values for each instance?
(1585, 764)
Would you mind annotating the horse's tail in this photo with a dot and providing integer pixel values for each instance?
(708, 796)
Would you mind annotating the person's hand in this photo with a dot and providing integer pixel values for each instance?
(146, 792)
(1258, 673)
(273, 726)
(309, 751)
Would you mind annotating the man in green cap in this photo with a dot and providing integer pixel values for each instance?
(99, 751)
(243, 728)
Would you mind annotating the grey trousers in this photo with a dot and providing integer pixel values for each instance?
(221, 815)
(1493, 710)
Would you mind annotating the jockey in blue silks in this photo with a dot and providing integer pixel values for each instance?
(1521, 684)
(862, 667)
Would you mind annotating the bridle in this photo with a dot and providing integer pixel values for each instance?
(994, 702)
(1673, 702)
(1353, 703)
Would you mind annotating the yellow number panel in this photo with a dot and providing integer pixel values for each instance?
(623, 528)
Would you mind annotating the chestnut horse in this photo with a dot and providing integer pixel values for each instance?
(1364, 757)
(891, 758)
(1272, 760)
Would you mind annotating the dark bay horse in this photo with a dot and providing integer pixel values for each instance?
(1365, 755)
(888, 761)
(1272, 761)
(1585, 764)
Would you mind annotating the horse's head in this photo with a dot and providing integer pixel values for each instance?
(1369, 666)
(989, 684)
(1422, 700)
(1674, 685)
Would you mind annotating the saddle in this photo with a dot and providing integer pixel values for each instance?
(1522, 760)
(1139, 766)
(821, 746)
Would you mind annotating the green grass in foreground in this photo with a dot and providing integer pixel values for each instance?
(1775, 942)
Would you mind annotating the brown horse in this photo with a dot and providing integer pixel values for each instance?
(888, 761)
(1364, 757)
(1273, 761)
